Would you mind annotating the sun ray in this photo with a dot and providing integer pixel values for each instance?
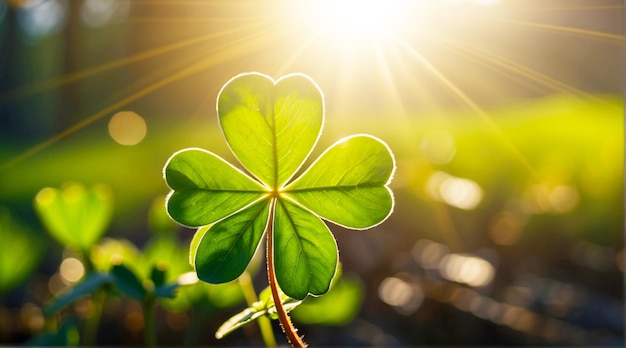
(222, 54)
(185, 20)
(518, 69)
(38, 87)
(392, 88)
(581, 8)
(406, 71)
(441, 212)
(473, 106)
(297, 53)
(577, 32)
(194, 3)
(485, 63)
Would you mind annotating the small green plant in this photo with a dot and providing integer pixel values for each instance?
(77, 217)
(272, 127)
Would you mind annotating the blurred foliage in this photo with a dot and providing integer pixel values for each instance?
(77, 217)
(337, 308)
(74, 215)
(89, 284)
(66, 335)
(19, 244)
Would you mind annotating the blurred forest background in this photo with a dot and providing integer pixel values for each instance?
(505, 117)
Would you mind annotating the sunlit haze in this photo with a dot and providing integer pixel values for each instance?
(505, 119)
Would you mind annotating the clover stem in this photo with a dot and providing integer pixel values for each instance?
(285, 322)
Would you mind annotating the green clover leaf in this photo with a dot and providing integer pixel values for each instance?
(272, 127)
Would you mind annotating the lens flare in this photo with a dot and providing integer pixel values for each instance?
(471, 270)
(71, 270)
(127, 128)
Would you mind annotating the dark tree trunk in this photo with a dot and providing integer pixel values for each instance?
(8, 76)
(70, 110)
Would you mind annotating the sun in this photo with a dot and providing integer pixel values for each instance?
(353, 20)
(350, 19)
(361, 20)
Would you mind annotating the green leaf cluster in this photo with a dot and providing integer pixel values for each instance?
(159, 271)
(272, 127)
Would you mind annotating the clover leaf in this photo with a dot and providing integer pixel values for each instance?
(272, 127)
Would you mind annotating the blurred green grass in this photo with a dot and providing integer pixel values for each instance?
(565, 139)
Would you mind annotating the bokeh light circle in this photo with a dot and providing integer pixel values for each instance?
(127, 128)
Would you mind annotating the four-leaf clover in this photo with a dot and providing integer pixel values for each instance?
(272, 127)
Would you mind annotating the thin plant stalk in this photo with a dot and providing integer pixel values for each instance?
(148, 322)
(285, 321)
(93, 319)
(90, 333)
(198, 317)
(265, 325)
